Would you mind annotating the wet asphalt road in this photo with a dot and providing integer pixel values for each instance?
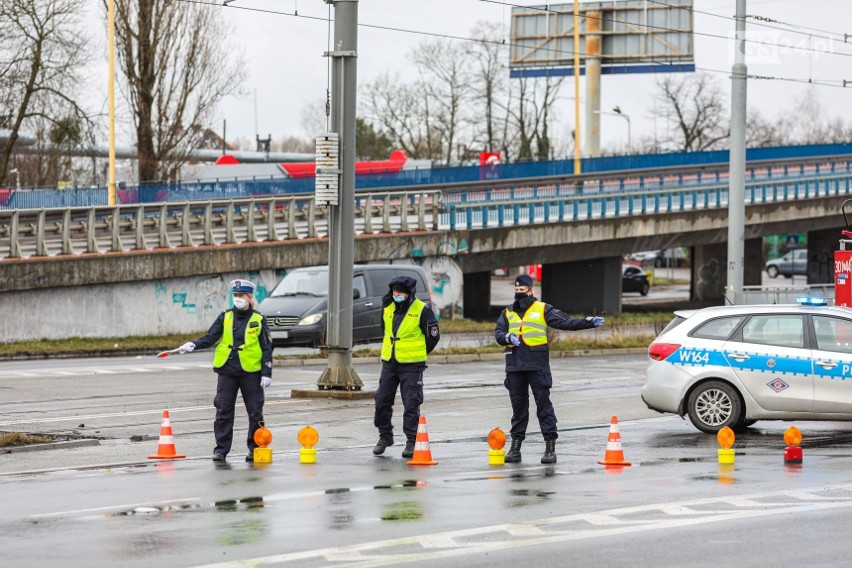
(108, 505)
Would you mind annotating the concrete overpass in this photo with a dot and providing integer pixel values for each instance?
(181, 289)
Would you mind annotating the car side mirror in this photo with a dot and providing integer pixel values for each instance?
(356, 293)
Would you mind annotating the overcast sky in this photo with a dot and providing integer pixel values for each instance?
(287, 71)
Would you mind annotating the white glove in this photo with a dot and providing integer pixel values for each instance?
(265, 382)
(187, 347)
(513, 339)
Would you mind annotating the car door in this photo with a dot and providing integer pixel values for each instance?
(769, 355)
(362, 307)
(832, 357)
(377, 282)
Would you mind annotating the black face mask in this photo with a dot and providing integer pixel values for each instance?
(520, 295)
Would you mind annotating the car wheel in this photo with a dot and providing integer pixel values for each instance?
(772, 271)
(714, 405)
(645, 288)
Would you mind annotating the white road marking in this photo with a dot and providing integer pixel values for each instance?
(554, 530)
(108, 508)
(158, 412)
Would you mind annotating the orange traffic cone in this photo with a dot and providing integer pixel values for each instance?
(166, 449)
(614, 455)
(422, 453)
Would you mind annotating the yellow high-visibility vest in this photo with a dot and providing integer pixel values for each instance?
(409, 343)
(532, 327)
(250, 352)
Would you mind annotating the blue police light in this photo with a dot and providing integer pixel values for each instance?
(807, 301)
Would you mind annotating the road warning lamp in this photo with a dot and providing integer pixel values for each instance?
(725, 437)
(262, 437)
(497, 441)
(308, 438)
(793, 452)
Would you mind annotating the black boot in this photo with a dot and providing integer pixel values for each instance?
(381, 445)
(549, 456)
(514, 455)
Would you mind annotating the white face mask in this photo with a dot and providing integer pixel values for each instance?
(241, 303)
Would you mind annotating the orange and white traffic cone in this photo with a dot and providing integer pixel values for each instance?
(166, 448)
(614, 454)
(422, 453)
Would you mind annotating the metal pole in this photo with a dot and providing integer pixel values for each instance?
(111, 89)
(736, 192)
(577, 163)
(593, 82)
(341, 242)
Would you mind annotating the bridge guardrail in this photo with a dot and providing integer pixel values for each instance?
(91, 230)
(554, 205)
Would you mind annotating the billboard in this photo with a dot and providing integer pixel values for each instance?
(635, 36)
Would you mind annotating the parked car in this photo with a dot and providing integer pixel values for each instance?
(794, 262)
(734, 365)
(297, 307)
(661, 258)
(634, 279)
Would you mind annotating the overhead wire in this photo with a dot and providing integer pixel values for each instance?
(503, 42)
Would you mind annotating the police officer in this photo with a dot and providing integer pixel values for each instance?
(522, 328)
(410, 333)
(243, 361)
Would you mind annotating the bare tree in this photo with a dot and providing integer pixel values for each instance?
(41, 55)
(808, 124)
(402, 112)
(762, 132)
(488, 85)
(178, 67)
(531, 116)
(444, 74)
(698, 117)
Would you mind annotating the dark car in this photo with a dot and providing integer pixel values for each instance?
(634, 279)
(296, 309)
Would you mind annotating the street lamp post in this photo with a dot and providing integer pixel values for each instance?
(616, 111)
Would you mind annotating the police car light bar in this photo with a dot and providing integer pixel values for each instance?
(808, 301)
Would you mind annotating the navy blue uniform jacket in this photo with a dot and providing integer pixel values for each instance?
(524, 357)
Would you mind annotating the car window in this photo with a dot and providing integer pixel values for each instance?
(360, 283)
(719, 328)
(775, 329)
(833, 334)
(631, 271)
(379, 280)
(311, 282)
(673, 324)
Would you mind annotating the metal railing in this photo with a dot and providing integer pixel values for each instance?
(787, 295)
(90, 230)
(567, 203)
(77, 230)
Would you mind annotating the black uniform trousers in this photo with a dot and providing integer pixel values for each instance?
(226, 399)
(408, 377)
(519, 383)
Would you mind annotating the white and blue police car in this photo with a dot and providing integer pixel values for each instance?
(735, 365)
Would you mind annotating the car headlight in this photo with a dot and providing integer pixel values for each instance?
(311, 319)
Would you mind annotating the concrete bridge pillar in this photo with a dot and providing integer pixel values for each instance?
(584, 286)
(477, 296)
(821, 247)
(710, 270)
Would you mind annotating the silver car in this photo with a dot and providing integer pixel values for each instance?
(734, 365)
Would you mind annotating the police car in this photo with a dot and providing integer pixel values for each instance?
(735, 365)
